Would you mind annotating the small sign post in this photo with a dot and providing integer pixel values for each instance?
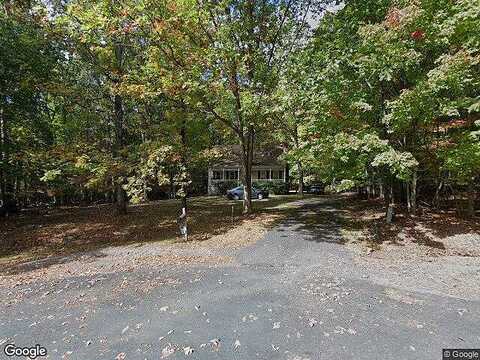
(182, 224)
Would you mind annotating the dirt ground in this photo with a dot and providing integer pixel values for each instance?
(430, 233)
(70, 230)
(435, 250)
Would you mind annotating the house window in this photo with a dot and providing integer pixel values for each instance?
(277, 174)
(217, 175)
(231, 174)
(263, 174)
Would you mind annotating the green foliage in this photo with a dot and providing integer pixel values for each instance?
(463, 159)
(273, 187)
(97, 94)
(27, 58)
(156, 165)
(393, 93)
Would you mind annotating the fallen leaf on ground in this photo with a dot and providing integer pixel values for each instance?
(188, 350)
(215, 343)
(167, 351)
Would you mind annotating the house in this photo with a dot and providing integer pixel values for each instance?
(267, 169)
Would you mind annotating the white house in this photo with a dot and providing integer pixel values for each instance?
(227, 172)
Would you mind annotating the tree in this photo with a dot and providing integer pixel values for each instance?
(101, 34)
(289, 115)
(25, 73)
(404, 74)
(227, 56)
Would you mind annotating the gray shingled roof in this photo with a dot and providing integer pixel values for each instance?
(262, 156)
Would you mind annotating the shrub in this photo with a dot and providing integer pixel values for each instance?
(223, 186)
(273, 187)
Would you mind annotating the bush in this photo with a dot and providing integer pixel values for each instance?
(273, 187)
(223, 186)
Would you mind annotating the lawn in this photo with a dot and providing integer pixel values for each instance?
(34, 235)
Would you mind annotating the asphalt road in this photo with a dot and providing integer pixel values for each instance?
(296, 294)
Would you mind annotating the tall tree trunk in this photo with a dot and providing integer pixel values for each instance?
(245, 132)
(436, 198)
(409, 200)
(184, 214)
(120, 195)
(287, 178)
(300, 178)
(171, 179)
(390, 216)
(247, 160)
(296, 142)
(413, 197)
(3, 156)
(7, 187)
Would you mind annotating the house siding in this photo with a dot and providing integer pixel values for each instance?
(216, 185)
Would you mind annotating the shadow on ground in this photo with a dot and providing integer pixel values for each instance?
(319, 222)
(67, 234)
(427, 227)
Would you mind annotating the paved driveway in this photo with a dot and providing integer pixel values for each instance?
(296, 294)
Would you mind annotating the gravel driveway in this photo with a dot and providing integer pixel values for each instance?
(296, 294)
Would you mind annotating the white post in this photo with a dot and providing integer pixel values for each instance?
(182, 222)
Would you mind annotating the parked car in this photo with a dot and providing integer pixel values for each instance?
(237, 193)
(317, 189)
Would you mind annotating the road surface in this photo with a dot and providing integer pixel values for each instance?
(295, 294)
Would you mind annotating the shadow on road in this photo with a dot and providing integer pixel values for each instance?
(318, 220)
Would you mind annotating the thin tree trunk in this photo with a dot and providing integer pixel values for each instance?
(436, 198)
(184, 215)
(3, 156)
(172, 185)
(407, 191)
(121, 197)
(390, 216)
(246, 137)
(413, 197)
(7, 182)
(247, 153)
(381, 192)
(300, 178)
